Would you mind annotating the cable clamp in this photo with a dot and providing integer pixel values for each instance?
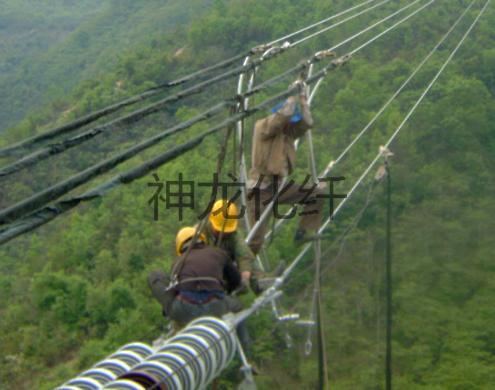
(306, 323)
(285, 45)
(308, 346)
(260, 48)
(324, 54)
(341, 60)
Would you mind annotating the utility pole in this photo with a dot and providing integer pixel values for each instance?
(388, 281)
(384, 172)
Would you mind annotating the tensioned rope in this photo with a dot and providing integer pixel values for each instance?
(21, 208)
(89, 118)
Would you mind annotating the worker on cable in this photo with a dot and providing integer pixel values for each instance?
(219, 231)
(273, 159)
(203, 278)
(199, 275)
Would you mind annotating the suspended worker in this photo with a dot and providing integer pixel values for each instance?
(273, 159)
(200, 275)
(203, 276)
(221, 231)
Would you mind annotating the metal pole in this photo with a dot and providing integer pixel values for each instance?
(388, 359)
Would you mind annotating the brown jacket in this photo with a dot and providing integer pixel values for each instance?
(207, 268)
(273, 152)
(234, 245)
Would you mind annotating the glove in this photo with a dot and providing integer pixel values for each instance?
(242, 289)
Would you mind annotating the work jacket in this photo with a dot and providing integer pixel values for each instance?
(205, 268)
(234, 245)
(273, 151)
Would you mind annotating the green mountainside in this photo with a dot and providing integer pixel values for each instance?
(75, 290)
(49, 47)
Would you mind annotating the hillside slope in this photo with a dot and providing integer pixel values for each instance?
(49, 47)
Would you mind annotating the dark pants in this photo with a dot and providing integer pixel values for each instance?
(181, 313)
(311, 215)
(184, 312)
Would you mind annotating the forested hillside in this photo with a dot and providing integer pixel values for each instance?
(75, 289)
(48, 47)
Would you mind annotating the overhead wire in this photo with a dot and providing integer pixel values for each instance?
(347, 149)
(93, 116)
(37, 200)
(332, 26)
(48, 213)
(285, 37)
(90, 118)
(267, 296)
(267, 210)
(135, 116)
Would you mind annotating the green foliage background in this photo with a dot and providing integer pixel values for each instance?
(75, 290)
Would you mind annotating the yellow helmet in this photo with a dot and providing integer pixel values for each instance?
(184, 235)
(218, 214)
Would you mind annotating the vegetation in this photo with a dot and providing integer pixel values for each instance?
(75, 290)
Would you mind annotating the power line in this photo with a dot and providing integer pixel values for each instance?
(37, 200)
(348, 55)
(285, 37)
(93, 116)
(331, 27)
(54, 149)
(90, 118)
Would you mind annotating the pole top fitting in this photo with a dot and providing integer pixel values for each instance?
(385, 152)
(260, 48)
